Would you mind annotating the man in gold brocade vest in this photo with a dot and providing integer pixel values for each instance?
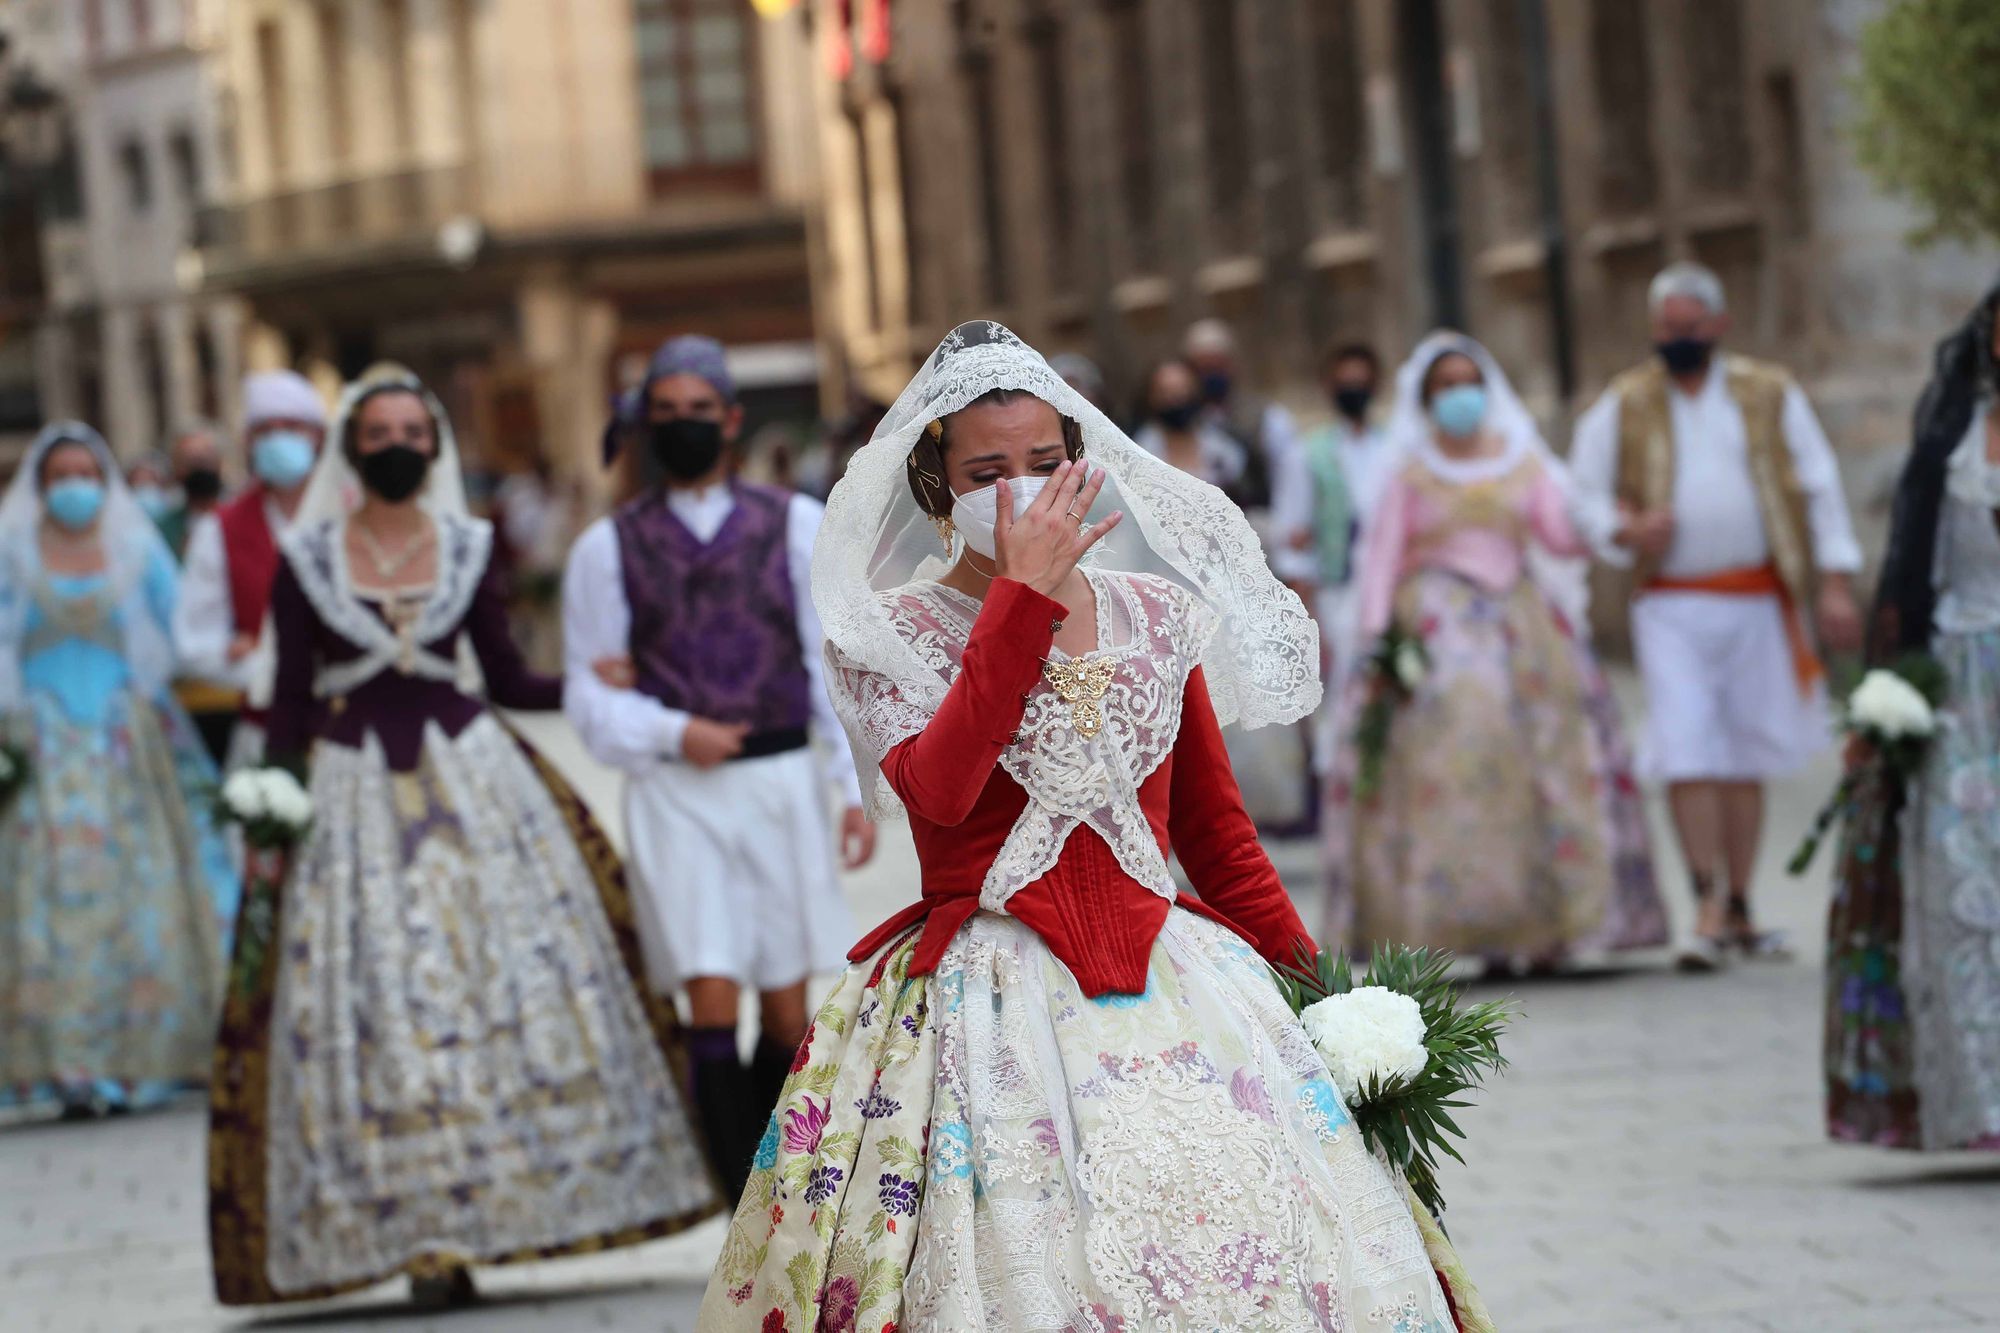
(1709, 476)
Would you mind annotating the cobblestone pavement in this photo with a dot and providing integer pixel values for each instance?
(1653, 1161)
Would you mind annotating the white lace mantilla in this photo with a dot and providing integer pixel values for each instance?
(318, 556)
(876, 541)
(1151, 631)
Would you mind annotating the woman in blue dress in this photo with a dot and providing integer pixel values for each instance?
(117, 891)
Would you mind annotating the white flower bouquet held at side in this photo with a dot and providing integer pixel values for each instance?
(1889, 720)
(1402, 1048)
(270, 805)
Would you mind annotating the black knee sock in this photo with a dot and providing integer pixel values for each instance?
(722, 1103)
(770, 1066)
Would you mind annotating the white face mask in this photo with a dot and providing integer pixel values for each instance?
(974, 512)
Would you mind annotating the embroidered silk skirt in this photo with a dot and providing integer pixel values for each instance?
(116, 899)
(437, 1048)
(987, 1148)
(1499, 828)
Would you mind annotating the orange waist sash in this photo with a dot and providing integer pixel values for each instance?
(1758, 581)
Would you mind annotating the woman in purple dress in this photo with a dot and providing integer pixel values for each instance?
(435, 1050)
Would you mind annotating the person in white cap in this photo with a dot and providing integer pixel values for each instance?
(1709, 477)
(232, 555)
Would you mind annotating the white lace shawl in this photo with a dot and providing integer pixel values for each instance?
(318, 557)
(1152, 630)
(1262, 663)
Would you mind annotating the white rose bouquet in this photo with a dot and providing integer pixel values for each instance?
(274, 811)
(1889, 720)
(13, 771)
(1402, 1048)
(1396, 670)
(268, 804)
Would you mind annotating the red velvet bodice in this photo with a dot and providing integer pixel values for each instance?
(1093, 915)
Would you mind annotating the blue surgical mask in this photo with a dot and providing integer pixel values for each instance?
(282, 458)
(75, 502)
(156, 502)
(1459, 410)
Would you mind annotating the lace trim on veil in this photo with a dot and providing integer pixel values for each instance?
(1262, 663)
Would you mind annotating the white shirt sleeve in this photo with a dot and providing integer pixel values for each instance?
(204, 622)
(1292, 505)
(801, 527)
(1834, 546)
(1593, 475)
(623, 728)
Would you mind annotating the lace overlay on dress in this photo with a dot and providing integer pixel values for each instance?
(318, 557)
(1152, 633)
(1176, 1159)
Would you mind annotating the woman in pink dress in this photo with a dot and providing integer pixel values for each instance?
(1505, 823)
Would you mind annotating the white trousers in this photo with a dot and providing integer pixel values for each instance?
(1723, 701)
(733, 873)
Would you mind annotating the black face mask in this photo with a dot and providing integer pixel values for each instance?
(202, 484)
(1685, 356)
(394, 473)
(1178, 416)
(1352, 402)
(687, 447)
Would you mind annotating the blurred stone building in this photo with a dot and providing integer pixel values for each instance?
(129, 341)
(518, 199)
(1100, 173)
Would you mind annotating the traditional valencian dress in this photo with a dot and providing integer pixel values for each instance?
(117, 893)
(438, 1048)
(1507, 823)
(1913, 950)
(1059, 1093)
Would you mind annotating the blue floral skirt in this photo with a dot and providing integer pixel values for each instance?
(117, 895)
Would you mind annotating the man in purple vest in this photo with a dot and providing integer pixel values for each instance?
(703, 582)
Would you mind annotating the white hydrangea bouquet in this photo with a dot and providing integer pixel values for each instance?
(1402, 1047)
(13, 770)
(1889, 720)
(1395, 670)
(274, 811)
(270, 805)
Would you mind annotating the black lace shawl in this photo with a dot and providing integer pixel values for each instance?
(1964, 369)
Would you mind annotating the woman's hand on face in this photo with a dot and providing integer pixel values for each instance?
(1041, 545)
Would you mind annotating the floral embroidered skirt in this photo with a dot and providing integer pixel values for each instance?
(1500, 827)
(435, 1049)
(987, 1148)
(116, 899)
(1870, 1095)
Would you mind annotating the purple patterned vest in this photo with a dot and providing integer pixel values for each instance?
(715, 628)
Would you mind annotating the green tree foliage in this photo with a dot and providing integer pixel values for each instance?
(1928, 127)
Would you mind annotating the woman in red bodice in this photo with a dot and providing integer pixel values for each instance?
(1059, 1092)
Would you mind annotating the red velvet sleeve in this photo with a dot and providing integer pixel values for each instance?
(1215, 840)
(940, 772)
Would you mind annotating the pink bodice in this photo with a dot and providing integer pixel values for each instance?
(1477, 527)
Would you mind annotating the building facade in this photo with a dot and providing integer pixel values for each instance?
(128, 339)
(518, 199)
(1101, 173)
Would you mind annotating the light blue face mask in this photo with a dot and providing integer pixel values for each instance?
(156, 502)
(1459, 410)
(282, 458)
(75, 502)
